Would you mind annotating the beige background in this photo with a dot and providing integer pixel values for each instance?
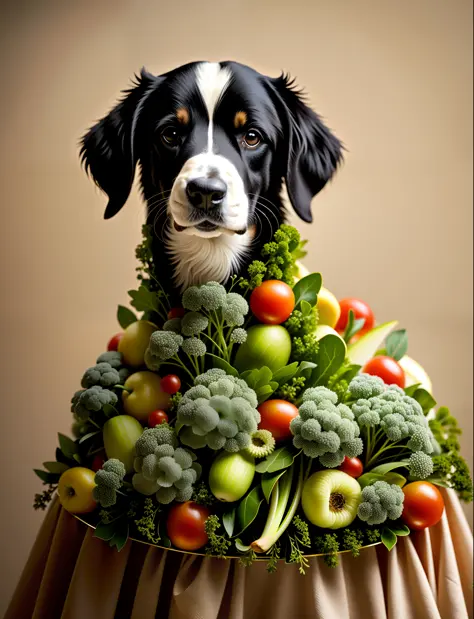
(394, 79)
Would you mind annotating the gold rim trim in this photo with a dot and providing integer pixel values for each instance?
(203, 554)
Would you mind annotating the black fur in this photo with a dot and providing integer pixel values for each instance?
(298, 147)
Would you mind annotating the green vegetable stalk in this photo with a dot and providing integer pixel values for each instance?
(278, 521)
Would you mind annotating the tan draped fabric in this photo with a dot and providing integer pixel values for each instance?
(72, 575)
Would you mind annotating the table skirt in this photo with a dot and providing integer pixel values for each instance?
(72, 575)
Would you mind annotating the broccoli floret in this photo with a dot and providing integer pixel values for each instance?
(219, 411)
(420, 465)
(398, 415)
(234, 310)
(152, 438)
(108, 480)
(193, 323)
(194, 346)
(302, 327)
(381, 501)
(163, 346)
(163, 469)
(238, 336)
(454, 470)
(102, 374)
(445, 429)
(91, 400)
(112, 357)
(173, 324)
(291, 391)
(210, 296)
(324, 429)
(365, 386)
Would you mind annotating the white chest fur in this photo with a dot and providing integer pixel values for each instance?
(198, 260)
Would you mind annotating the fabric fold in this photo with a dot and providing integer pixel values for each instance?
(72, 575)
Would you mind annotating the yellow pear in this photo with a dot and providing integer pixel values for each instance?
(328, 308)
(135, 341)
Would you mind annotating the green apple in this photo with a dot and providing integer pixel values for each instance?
(328, 308)
(330, 499)
(231, 475)
(120, 435)
(143, 394)
(268, 345)
(135, 341)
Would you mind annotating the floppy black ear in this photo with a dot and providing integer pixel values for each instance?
(313, 152)
(107, 148)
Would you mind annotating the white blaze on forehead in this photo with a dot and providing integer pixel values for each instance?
(212, 81)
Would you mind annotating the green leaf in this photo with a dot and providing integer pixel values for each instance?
(67, 445)
(241, 547)
(263, 393)
(396, 344)
(222, 364)
(307, 289)
(86, 437)
(306, 308)
(305, 369)
(330, 357)
(424, 399)
(47, 478)
(248, 508)
(120, 536)
(438, 481)
(105, 531)
(395, 478)
(410, 390)
(349, 372)
(286, 373)
(369, 478)
(389, 539)
(164, 539)
(390, 466)
(399, 530)
(77, 458)
(228, 521)
(125, 316)
(145, 300)
(353, 326)
(269, 481)
(280, 459)
(55, 467)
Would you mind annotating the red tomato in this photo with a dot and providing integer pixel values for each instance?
(352, 466)
(176, 312)
(185, 525)
(276, 416)
(170, 384)
(98, 462)
(423, 505)
(272, 302)
(360, 309)
(389, 370)
(114, 342)
(157, 417)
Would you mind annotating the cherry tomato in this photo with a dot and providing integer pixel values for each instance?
(352, 466)
(423, 505)
(360, 309)
(176, 312)
(272, 302)
(114, 341)
(170, 384)
(98, 462)
(185, 525)
(157, 417)
(389, 370)
(276, 416)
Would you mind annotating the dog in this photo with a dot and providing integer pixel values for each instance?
(216, 143)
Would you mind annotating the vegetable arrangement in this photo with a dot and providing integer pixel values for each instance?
(263, 419)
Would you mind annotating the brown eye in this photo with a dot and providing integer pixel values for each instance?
(170, 136)
(252, 139)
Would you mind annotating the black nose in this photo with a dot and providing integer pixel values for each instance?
(206, 192)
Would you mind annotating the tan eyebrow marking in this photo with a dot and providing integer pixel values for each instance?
(240, 119)
(182, 115)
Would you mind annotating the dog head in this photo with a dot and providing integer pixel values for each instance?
(214, 141)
